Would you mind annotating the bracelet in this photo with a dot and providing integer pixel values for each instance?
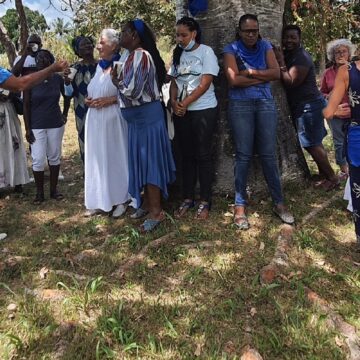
(283, 68)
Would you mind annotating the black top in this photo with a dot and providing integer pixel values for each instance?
(307, 90)
(354, 91)
(45, 108)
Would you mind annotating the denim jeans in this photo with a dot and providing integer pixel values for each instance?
(194, 132)
(254, 123)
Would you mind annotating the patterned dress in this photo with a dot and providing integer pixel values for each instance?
(85, 73)
(353, 143)
(13, 166)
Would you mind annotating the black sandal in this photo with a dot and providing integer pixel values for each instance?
(183, 208)
(39, 198)
(56, 196)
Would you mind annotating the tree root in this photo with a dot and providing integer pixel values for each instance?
(335, 321)
(318, 209)
(269, 272)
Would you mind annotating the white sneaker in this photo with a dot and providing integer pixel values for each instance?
(61, 176)
(92, 212)
(119, 210)
(3, 236)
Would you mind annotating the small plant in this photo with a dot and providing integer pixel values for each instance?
(116, 326)
(306, 238)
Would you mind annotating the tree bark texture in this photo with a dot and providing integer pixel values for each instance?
(219, 26)
(8, 44)
(24, 32)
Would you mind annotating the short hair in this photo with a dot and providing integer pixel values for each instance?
(45, 52)
(35, 38)
(246, 17)
(291, 27)
(333, 45)
(75, 43)
(112, 35)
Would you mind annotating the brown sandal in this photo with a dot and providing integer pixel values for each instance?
(202, 212)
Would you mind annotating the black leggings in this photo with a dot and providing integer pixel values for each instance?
(194, 133)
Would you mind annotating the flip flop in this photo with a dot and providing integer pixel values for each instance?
(150, 224)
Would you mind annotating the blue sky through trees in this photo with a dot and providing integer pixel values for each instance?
(51, 12)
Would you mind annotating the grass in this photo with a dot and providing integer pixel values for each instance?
(197, 298)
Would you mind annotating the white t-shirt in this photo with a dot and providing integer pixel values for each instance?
(29, 61)
(193, 64)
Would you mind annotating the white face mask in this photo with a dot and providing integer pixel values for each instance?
(189, 46)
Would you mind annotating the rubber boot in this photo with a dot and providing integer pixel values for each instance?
(39, 182)
(54, 176)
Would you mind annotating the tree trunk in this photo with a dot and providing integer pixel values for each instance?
(219, 25)
(7, 44)
(24, 32)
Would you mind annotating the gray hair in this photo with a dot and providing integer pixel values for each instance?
(333, 45)
(112, 36)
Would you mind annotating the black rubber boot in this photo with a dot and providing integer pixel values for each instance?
(54, 176)
(39, 182)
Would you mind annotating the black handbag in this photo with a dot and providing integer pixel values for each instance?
(18, 103)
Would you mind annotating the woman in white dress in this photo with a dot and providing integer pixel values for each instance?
(106, 137)
(13, 166)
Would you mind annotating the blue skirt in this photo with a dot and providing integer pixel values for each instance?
(150, 156)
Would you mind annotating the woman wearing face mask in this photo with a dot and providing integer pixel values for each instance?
(250, 65)
(44, 124)
(83, 47)
(195, 111)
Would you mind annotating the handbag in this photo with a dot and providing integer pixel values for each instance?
(18, 103)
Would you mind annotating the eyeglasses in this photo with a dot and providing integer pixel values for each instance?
(250, 31)
(341, 52)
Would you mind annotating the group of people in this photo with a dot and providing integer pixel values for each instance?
(121, 121)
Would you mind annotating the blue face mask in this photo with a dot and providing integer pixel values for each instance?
(189, 46)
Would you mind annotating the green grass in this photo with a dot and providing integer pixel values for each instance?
(192, 299)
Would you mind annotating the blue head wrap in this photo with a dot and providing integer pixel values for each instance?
(139, 26)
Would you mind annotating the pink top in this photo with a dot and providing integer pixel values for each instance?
(328, 82)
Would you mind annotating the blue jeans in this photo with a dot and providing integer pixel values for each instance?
(253, 123)
(337, 128)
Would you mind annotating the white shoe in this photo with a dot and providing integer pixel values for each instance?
(3, 236)
(92, 212)
(119, 210)
(61, 176)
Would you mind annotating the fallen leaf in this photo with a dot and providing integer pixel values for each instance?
(262, 246)
(12, 307)
(338, 341)
(229, 348)
(43, 272)
(356, 263)
(228, 214)
(197, 352)
(256, 215)
(253, 312)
